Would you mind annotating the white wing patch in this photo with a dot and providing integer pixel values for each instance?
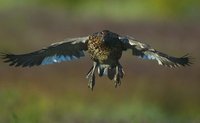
(152, 57)
(149, 57)
(57, 59)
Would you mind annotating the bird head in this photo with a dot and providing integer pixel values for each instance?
(107, 36)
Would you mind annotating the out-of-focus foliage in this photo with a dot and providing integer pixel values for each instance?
(118, 9)
(58, 93)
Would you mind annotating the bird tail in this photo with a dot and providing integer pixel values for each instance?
(111, 72)
(103, 70)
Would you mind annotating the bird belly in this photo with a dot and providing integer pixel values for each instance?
(105, 55)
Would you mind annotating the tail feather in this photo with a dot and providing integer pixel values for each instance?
(102, 71)
(107, 70)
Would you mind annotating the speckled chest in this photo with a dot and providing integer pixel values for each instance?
(102, 52)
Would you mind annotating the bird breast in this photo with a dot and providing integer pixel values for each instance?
(102, 52)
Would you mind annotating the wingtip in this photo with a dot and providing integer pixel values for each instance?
(7, 58)
(186, 60)
(3, 55)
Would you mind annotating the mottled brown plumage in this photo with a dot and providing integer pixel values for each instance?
(104, 48)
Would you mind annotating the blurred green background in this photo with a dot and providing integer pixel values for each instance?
(59, 94)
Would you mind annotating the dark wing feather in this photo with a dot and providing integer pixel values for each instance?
(146, 52)
(58, 52)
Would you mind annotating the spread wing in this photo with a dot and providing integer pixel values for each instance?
(66, 50)
(146, 52)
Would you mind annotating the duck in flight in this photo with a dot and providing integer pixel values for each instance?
(104, 48)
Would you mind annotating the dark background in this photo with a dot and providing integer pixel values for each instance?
(58, 93)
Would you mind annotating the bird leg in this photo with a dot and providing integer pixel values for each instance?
(91, 76)
(119, 73)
